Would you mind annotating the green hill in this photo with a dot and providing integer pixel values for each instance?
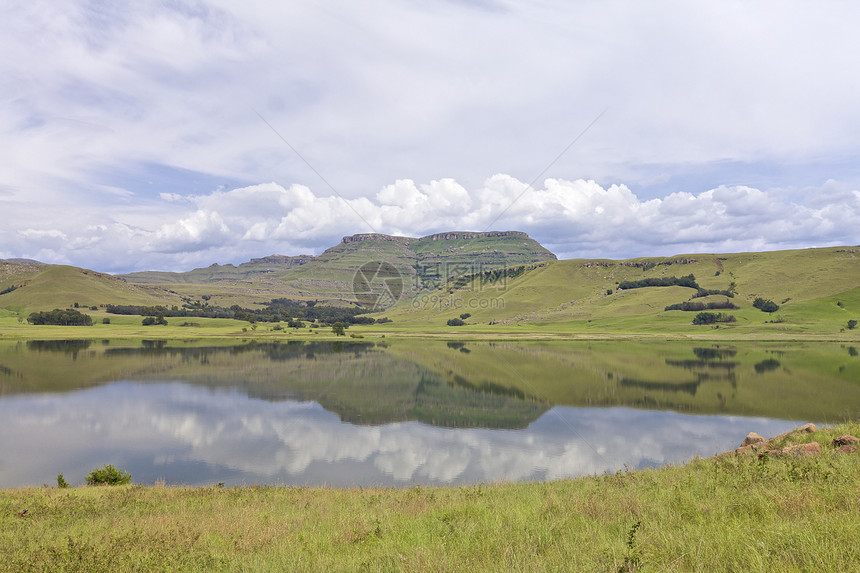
(817, 290)
(44, 287)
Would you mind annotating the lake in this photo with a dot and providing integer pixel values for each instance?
(400, 412)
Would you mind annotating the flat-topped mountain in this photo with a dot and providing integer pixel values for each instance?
(422, 262)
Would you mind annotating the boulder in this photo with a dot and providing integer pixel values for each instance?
(845, 440)
(847, 449)
(802, 450)
(753, 438)
(797, 451)
(804, 429)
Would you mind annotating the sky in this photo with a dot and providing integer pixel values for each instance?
(173, 134)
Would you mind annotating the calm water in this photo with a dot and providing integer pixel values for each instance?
(403, 413)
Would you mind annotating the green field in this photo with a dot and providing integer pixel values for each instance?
(736, 513)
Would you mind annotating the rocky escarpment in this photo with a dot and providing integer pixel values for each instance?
(460, 235)
(375, 237)
(448, 236)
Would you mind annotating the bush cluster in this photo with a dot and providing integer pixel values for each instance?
(765, 305)
(697, 306)
(68, 317)
(712, 317)
(685, 281)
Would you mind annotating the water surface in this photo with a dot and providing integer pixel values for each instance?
(402, 413)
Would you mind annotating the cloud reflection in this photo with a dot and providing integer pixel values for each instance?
(187, 434)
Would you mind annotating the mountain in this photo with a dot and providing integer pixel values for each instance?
(216, 272)
(420, 264)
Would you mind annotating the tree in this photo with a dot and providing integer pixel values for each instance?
(337, 328)
(455, 322)
(852, 324)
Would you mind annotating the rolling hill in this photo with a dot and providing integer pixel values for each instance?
(817, 290)
(498, 282)
(44, 287)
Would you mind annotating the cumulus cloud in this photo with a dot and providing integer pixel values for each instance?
(573, 218)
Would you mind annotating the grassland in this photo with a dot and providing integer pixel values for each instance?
(818, 291)
(736, 513)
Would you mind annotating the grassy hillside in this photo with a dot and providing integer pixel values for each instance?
(45, 287)
(818, 291)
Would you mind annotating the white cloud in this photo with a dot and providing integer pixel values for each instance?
(573, 218)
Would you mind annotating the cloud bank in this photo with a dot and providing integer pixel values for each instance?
(572, 218)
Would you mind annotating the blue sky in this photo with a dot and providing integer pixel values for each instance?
(169, 135)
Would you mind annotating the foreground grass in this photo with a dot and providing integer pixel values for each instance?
(728, 514)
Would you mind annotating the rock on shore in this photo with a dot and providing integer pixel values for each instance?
(756, 443)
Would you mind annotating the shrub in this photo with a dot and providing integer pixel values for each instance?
(765, 305)
(108, 475)
(455, 322)
(465, 315)
(61, 481)
(852, 324)
(105, 320)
